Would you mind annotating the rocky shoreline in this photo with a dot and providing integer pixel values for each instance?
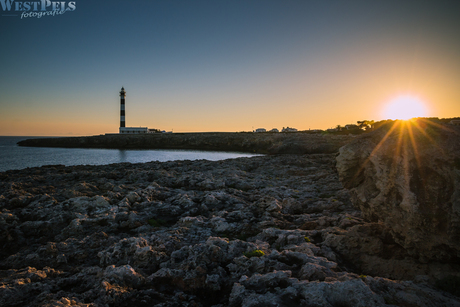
(275, 230)
(263, 143)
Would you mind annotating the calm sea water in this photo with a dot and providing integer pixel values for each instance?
(16, 157)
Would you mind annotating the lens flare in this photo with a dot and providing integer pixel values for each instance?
(405, 107)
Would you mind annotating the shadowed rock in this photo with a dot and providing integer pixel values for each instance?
(407, 176)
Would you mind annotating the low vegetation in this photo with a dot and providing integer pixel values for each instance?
(449, 284)
(254, 253)
(156, 222)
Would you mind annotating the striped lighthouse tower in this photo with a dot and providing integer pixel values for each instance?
(122, 108)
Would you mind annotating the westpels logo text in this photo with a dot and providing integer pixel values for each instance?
(36, 9)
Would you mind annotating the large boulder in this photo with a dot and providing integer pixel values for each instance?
(407, 175)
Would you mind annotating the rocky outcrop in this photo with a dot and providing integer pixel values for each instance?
(265, 143)
(261, 231)
(406, 175)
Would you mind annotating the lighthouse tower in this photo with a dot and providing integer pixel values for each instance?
(123, 128)
(122, 108)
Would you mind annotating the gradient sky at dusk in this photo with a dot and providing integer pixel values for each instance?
(224, 65)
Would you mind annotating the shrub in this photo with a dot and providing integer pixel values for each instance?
(457, 163)
(449, 284)
(389, 301)
(254, 253)
(156, 223)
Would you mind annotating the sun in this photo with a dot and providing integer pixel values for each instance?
(405, 107)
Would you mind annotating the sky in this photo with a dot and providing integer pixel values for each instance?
(224, 65)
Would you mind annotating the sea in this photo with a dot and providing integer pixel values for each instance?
(14, 157)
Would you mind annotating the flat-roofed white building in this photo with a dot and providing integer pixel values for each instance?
(133, 130)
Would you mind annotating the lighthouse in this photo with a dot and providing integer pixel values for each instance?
(123, 128)
(122, 107)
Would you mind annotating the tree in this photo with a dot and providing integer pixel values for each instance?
(365, 124)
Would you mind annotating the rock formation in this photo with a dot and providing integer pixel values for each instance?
(406, 175)
(261, 231)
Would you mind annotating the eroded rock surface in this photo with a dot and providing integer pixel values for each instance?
(261, 231)
(407, 176)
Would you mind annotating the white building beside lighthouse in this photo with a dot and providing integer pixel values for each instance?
(123, 128)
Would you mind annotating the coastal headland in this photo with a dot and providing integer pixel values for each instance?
(263, 143)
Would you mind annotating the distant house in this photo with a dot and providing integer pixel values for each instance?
(154, 131)
(274, 130)
(287, 129)
(350, 127)
(455, 122)
(261, 130)
(332, 130)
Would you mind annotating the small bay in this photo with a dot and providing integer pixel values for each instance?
(14, 157)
